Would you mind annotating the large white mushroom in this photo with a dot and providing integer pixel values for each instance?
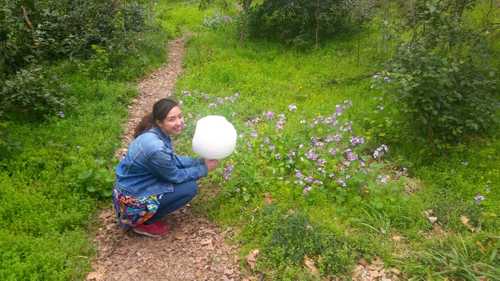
(214, 137)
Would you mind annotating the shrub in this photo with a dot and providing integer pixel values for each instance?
(298, 21)
(32, 90)
(41, 32)
(442, 79)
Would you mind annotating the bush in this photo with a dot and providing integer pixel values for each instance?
(298, 21)
(32, 90)
(41, 32)
(442, 79)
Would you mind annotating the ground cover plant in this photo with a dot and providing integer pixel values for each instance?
(57, 166)
(324, 173)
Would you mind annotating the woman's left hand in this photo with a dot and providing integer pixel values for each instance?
(211, 164)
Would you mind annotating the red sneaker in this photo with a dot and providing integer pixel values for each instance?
(156, 229)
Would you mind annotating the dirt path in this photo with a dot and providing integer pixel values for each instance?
(195, 249)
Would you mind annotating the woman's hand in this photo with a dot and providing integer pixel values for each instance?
(211, 164)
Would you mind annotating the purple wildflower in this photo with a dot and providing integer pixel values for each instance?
(479, 198)
(321, 162)
(333, 151)
(338, 110)
(316, 142)
(228, 170)
(60, 114)
(318, 182)
(350, 155)
(307, 189)
(254, 134)
(280, 124)
(309, 179)
(311, 155)
(357, 140)
(292, 107)
(269, 115)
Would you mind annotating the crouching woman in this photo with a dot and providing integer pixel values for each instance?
(151, 180)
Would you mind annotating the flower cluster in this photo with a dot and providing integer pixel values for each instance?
(221, 101)
(332, 156)
(228, 170)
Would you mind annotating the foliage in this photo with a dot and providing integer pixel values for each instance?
(32, 90)
(299, 21)
(381, 213)
(289, 238)
(461, 259)
(41, 32)
(443, 79)
(47, 30)
(54, 173)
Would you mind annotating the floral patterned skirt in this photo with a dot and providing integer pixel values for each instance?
(131, 211)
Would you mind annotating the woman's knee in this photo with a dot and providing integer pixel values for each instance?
(189, 188)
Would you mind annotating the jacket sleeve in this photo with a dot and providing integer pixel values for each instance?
(162, 163)
(186, 162)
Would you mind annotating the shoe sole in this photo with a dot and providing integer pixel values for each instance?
(146, 233)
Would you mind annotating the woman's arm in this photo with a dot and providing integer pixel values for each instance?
(163, 164)
(186, 162)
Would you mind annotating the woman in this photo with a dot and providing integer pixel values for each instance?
(152, 181)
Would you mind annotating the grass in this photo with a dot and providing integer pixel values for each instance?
(335, 226)
(54, 173)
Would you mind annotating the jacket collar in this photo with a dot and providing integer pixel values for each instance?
(157, 131)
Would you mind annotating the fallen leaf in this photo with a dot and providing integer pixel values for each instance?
(362, 262)
(252, 258)
(396, 238)
(94, 276)
(433, 219)
(180, 236)
(309, 263)
(465, 220)
(268, 198)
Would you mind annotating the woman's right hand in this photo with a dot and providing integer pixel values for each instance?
(211, 164)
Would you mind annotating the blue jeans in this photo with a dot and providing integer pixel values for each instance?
(171, 201)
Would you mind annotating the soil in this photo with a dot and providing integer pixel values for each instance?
(195, 248)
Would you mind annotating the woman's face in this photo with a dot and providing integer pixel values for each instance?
(173, 123)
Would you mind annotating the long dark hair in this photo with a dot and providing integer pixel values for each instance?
(161, 108)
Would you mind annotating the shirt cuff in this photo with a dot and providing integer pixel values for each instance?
(204, 170)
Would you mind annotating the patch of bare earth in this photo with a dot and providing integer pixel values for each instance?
(374, 271)
(195, 248)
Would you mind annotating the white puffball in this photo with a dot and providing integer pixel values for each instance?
(214, 137)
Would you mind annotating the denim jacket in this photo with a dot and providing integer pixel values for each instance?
(151, 167)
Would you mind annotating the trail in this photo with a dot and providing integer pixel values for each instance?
(195, 248)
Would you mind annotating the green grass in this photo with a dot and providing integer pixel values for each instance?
(335, 226)
(55, 173)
